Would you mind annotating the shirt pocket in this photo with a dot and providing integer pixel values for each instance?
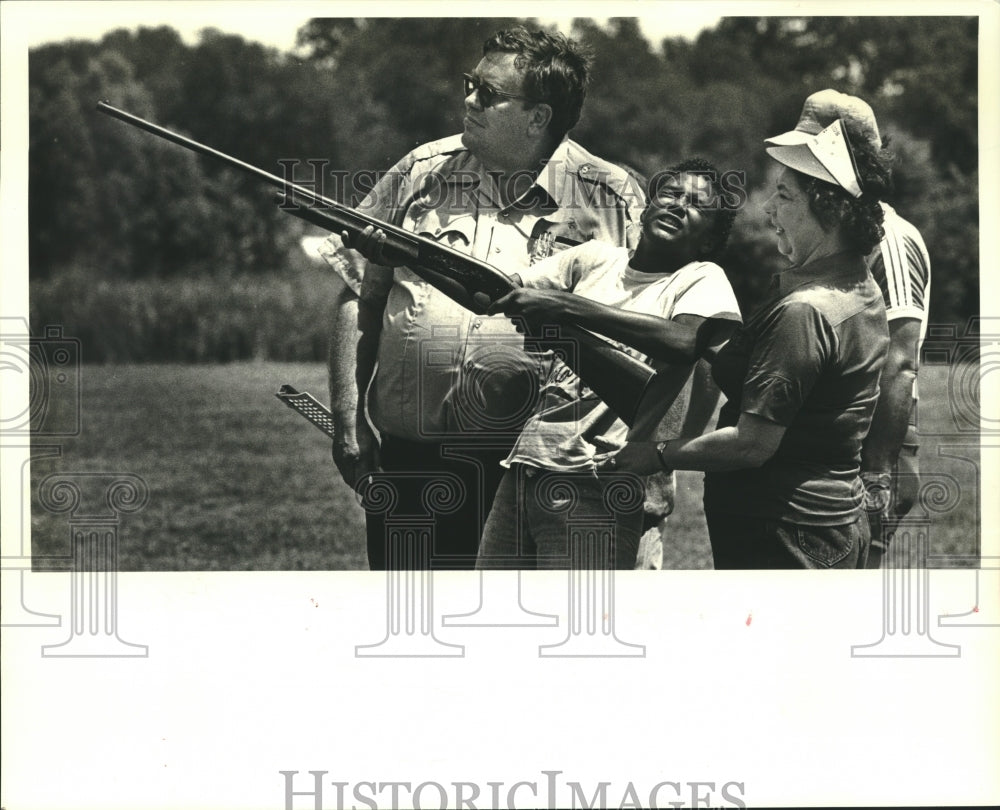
(456, 229)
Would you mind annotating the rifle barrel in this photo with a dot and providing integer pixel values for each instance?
(200, 148)
(295, 194)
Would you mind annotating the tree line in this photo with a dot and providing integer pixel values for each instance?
(110, 202)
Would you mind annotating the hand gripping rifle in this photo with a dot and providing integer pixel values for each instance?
(614, 376)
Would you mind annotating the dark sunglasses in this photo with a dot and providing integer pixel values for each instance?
(487, 96)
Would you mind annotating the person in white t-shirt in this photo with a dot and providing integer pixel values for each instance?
(666, 303)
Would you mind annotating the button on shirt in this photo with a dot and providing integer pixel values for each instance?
(442, 370)
(809, 360)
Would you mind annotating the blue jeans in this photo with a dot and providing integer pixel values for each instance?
(740, 541)
(559, 520)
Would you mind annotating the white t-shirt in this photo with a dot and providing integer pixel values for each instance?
(572, 429)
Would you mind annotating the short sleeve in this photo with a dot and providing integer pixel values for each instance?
(558, 272)
(790, 351)
(711, 296)
(900, 266)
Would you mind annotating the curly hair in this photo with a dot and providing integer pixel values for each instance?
(859, 218)
(556, 71)
(725, 209)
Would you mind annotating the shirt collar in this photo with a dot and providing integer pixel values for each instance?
(551, 187)
(554, 176)
(827, 268)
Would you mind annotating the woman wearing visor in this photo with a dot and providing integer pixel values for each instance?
(782, 488)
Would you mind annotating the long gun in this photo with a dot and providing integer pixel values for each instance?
(614, 376)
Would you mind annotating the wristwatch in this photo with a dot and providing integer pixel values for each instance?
(876, 480)
(877, 490)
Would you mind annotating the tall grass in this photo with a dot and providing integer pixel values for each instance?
(189, 320)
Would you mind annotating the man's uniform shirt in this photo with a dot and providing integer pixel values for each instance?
(429, 344)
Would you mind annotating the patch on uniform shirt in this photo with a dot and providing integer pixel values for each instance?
(541, 247)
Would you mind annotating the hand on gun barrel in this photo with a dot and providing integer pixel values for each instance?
(535, 308)
(371, 243)
(529, 309)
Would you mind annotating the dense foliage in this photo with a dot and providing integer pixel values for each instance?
(108, 203)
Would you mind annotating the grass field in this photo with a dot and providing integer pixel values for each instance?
(237, 481)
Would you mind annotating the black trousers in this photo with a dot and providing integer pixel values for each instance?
(427, 507)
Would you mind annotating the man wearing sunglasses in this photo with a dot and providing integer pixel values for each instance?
(447, 390)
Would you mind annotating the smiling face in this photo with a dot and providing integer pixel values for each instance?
(680, 217)
(502, 134)
(801, 237)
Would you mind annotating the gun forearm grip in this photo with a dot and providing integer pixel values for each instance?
(616, 377)
(398, 249)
